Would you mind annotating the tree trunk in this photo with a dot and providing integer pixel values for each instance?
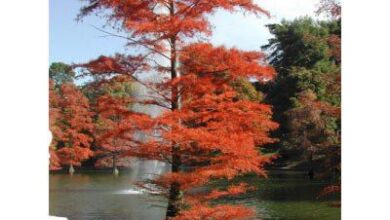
(311, 168)
(71, 169)
(115, 170)
(174, 191)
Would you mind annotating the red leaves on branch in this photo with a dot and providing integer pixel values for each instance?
(54, 160)
(231, 191)
(118, 64)
(54, 114)
(153, 20)
(203, 58)
(116, 126)
(71, 125)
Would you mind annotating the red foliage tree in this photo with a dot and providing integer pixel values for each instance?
(71, 124)
(115, 129)
(112, 112)
(206, 132)
(54, 113)
(332, 8)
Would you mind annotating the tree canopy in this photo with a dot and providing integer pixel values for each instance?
(306, 94)
(61, 73)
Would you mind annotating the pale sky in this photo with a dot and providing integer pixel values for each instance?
(73, 42)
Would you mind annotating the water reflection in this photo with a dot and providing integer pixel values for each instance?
(102, 196)
(287, 195)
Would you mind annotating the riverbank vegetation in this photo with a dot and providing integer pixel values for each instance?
(223, 114)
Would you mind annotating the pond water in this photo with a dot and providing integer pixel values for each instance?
(288, 195)
(101, 196)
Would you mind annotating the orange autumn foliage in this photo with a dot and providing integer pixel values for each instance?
(71, 125)
(205, 131)
(54, 114)
(116, 127)
(225, 212)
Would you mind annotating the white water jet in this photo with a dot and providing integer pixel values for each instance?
(130, 192)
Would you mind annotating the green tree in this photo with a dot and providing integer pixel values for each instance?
(111, 101)
(246, 90)
(61, 73)
(117, 86)
(306, 55)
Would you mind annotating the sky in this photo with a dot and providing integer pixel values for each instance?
(77, 42)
